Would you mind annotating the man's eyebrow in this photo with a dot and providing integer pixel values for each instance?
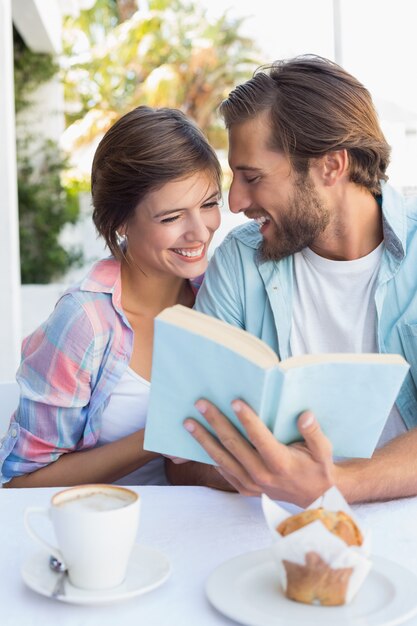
(169, 211)
(249, 168)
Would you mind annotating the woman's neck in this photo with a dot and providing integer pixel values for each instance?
(149, 295)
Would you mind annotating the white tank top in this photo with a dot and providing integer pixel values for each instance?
(334, 311)
(125, 414)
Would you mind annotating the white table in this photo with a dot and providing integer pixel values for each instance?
(197, 528)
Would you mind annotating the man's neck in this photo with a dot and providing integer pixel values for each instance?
(355, 228)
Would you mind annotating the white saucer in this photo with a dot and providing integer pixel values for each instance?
(246, 589)
(147, 570)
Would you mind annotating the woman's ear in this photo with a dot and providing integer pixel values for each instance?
(122, 231)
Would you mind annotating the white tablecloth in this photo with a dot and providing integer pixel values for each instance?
(197, 528)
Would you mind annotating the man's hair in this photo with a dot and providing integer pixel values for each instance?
(315, 107)
(142, 151)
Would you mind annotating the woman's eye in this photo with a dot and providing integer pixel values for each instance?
(210, 205)
(168, 220)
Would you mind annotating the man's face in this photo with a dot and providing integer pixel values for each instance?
(286, 204)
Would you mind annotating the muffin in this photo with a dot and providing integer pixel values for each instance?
(338, 522)
(322, 554)
(315, 581)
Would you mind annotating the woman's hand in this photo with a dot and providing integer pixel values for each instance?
(176, 459)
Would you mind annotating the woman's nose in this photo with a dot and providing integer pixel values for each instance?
(197, 230)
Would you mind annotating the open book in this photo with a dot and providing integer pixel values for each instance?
(198, 356)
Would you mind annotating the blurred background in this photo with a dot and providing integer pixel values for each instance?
(70, 68)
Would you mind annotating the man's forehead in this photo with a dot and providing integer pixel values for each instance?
(256, 130)
(260, 123)
(250, 144)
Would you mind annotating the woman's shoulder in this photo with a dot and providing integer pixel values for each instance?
(86, 309)
(102, 278)
(101, 287)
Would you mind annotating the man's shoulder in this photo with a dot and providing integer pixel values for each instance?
(395, 202)
(411, 207)
(244, 235)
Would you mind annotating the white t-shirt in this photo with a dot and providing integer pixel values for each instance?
(125, 414)
(334, 311)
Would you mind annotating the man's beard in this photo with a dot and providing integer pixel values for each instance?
(304, 218)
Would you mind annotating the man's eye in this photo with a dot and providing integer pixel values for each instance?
(167, 220)
(253, 180)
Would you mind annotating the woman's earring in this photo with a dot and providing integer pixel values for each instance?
(121, 239)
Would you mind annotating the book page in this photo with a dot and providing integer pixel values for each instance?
(311, 359)
(220, 332)
(351, 398)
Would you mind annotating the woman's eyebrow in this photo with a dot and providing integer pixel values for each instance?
(213, 195)
(163, 213)
(169, 211)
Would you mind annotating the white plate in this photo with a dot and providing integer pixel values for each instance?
(246, 589)
(147, 570)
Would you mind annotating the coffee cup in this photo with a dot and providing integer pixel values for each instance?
(95, 528)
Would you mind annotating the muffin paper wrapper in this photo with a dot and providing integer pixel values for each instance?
(316, 538)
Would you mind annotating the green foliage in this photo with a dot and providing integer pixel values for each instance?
(44, 208)
(169, 55)
(30, 70)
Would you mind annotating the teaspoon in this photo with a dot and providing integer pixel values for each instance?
(57, 566)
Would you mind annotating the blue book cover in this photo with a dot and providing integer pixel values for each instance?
(197, 356)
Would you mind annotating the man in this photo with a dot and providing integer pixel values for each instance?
(329, 264)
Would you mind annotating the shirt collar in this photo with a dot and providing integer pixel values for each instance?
(248, 234)
(394, 221)
(103, 277)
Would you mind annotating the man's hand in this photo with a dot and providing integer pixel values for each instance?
(298, 473)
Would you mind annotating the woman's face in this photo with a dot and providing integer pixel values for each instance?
(172, 227)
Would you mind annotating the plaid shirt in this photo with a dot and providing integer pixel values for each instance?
(70, 366)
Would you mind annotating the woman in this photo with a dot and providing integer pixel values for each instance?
(84, 376)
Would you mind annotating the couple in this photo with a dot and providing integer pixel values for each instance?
(327, 265)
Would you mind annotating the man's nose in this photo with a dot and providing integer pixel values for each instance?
(238, 198)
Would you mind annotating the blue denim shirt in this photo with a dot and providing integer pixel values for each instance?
(258, 296)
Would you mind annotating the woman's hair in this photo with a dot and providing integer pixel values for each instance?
(142, 151)
(315, 107)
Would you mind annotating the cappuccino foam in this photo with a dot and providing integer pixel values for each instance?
(96, 502)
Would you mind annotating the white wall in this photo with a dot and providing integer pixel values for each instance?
(39, 23)
(38, 302)
(9, 239)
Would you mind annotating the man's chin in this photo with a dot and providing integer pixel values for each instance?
(274, 252)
